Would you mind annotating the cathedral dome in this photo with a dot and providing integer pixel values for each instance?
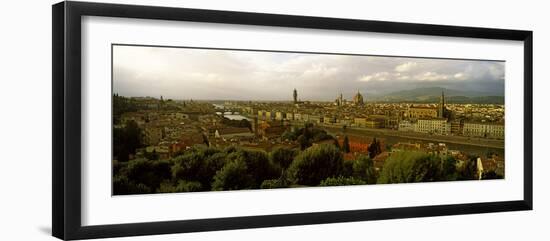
(358, 99)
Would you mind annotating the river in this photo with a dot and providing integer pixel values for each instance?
(229, 115)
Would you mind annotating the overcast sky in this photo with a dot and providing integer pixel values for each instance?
(182, 73)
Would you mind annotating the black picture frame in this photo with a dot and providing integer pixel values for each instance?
(66, 128)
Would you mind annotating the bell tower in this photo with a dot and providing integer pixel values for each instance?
(441, 109)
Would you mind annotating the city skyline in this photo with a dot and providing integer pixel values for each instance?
(284, 120)
(205, 74)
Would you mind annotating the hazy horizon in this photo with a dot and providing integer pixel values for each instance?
(206, 74)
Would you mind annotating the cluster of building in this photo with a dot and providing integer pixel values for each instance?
(442, 121)
(164, 132)
(483, 121)
(170, 127)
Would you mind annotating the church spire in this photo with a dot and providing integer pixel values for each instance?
(441, 111)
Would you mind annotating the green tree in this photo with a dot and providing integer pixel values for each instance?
(126, 140)
(320, 135)
(273, 183)
(188, 186)
(134, 136)
(283, 156)
(123, 186)
(307, 135)
(215, 162)
(198, 164)
(180, 186)
(152, 155)
(141, 176)
(374, 148)
(405, 167)
(342, 181)
(119, 167)
(304, 142)
(449, 171)
(346, 147)
(289, 135)
(258, 165)
(120, 148)
(335, 143)
(347, 168)
(316, 164)
(363, 168)
(231, 149)
(468, 169)
(122, 105)
(166, 187)
(233, 176)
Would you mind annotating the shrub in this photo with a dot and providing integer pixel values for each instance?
(283, 156)
(166, 187)
(273, 183)
(404, 167)
(316, 164)
(363, 168)
(148, 173)
(188, 186)
(233, 176)
(123, 186)
(258, 165)
(342, 181)
(199, 164)
(468, 169)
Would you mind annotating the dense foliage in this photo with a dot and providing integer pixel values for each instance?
(316, 164)
(361, 168)
(122, 105)
(128, 139)
(283, 156)
(140, 176)
(374, 148)
(405, 167)
(341, 181)
(204, 168)
(308, 135)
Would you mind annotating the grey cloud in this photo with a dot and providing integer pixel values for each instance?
(220, 74)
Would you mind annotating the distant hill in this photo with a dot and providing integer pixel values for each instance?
(432, 94)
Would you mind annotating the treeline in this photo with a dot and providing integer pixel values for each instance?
(307, 135)
(122, 105)
(205, 168)
(127, 140)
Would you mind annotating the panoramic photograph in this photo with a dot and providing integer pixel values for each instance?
(198, 119)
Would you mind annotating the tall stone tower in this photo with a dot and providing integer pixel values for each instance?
(441, 110)
(295, 95)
